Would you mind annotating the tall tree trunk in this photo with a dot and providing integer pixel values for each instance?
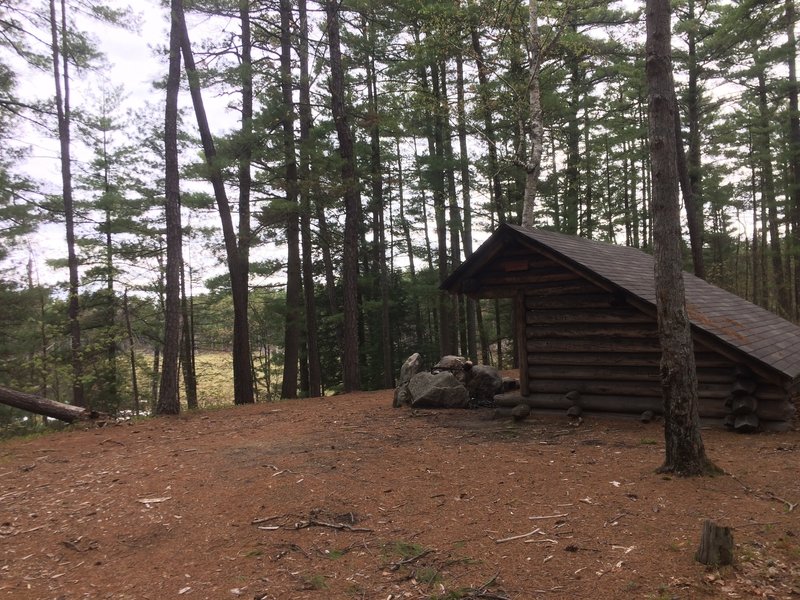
(62, 99)
(437, 177)
(242, 371)
(187, 349)
(769, 196)
(690, 167)
(312, 343)
(571, 204)
(466, 201)
(533, 165)
(291, 340)
(352, 203)
(794, 149)
(168, 400)
(485, 101)
(379, 229)
(243, 356)
(132, 353)
(685, 453)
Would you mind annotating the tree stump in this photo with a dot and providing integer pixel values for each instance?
(716, 545)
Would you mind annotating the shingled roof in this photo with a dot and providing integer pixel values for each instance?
(739, 324)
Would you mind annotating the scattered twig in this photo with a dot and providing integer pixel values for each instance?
(556, 516)
(341, 526)
(518, 537)
(545, 541)
(154, 500)
(409, 560)
(264, 520)
(110, 441)
(790, 505)
(483, 593)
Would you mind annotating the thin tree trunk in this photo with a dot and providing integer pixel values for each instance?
(187, 359)
(242, 369)
(379, 229)
(485, 101)
(466, 200)
(168, 400)
(769, 194)
(794, 150)
(291, 340)
(685, 453)
(350, 350)
(62, 99)
(312, 338)
(132, 352)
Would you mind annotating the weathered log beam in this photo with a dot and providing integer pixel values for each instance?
(47, 407)
(607, 315)
(620, 372)
(647, 331)
(710, 391)
(587, 300)
(593, 345)
(617, 358)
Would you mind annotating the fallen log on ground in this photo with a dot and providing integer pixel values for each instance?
(47, 407)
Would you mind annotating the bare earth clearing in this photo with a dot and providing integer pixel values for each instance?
(346, 497)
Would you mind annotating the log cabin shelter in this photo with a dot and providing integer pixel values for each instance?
(587, 334)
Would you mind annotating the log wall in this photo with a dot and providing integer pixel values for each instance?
(581, 338)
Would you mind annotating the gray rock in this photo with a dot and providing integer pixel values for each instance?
(484, 382)
(647, 416)
(453, 364)
(574, 412)
(520, 412)
(439, 390)
(410, 368)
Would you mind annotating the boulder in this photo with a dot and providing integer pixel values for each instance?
(484, 383)
(437, 390)
(520, 412)
(411, 367)
(454, 364)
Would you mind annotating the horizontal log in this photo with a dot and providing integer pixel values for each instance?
(711, 413)
(625, 372)
(593, 345)
(587, 300)
(606, 315)
(47, 407)
(617, 358)
(648, 331)
(564, 283)
(710, 391)
(634, 405)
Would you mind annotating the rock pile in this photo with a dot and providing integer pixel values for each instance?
(453, 382)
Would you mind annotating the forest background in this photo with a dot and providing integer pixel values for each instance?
(434, 97)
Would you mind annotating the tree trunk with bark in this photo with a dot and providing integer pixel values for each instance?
(291, 340)
(49, 408)
(685, 452)
(63, 112)
(304, 110)
(168, 400)
(533, 165)
(352, 203)
(242, 363)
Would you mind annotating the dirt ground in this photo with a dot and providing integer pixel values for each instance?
(346, 497)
